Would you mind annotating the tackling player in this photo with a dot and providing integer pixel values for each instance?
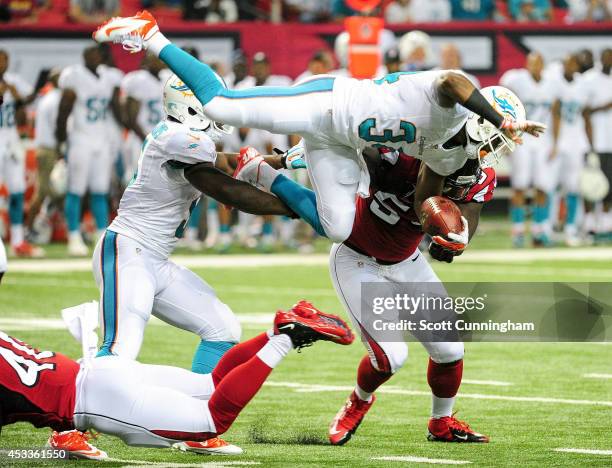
(338, 117)
(147, 405)
(532, 162)
(130, 262)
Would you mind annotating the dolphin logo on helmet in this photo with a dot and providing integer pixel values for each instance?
(181, 104)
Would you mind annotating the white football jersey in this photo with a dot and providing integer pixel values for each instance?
(155, 207)
(574, 98)
(91, 110)
(8, 109)
(46, 119)
(537, 96)
(147, 89)
(400, 111)
(599, 87)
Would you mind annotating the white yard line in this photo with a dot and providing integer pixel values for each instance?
(213, 464)
(598, 376)
(584, 451)
(309, 388)
(11, 324)
(433, 461)
(259, 260)
(493, 383)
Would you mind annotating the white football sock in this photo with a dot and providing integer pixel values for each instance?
(16, 234)
(157, 43)
(441, 407)
(275, 350)
(266, 176)
(362, 394)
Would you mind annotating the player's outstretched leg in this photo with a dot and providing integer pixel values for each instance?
(300, 109)
(300, 327)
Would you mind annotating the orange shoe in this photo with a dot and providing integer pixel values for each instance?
(214, 446)
(450, 429)
(27, 250)
(134, 32)
(76, 444)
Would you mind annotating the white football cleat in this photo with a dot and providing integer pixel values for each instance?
(133, 32)
(76, 246)
(214, 446)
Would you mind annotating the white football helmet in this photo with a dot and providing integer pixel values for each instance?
(485, 140)
(181, 104)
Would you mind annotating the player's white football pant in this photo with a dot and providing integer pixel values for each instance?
(12, 163)
(135, 281)
(144, 405)
(531, 167)
(336, 170)
(350, 269)
(89, 164)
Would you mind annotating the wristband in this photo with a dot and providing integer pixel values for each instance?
(479, 105)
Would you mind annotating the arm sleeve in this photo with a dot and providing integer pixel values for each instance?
(187, 148)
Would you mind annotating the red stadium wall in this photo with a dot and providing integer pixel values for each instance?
(290, 45)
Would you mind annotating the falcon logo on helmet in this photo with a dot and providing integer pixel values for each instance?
(181, 104)
(487, 143)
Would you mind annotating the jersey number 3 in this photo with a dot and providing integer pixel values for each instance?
(369, 132)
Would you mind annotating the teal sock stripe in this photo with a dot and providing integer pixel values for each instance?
(301, 200)
(318, 85)
(208, 354)
(517, 214)
(109, 297)
(572, 208)
(72, 211)
(99, 208)
(16, 208)
(198, 76)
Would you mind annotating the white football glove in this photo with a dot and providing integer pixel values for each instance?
(293, 158)
(513, 128)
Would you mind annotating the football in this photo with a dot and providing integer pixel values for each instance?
(439, 216)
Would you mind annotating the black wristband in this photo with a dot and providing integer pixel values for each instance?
(479, 105)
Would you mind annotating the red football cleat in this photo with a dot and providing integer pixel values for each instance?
(305, 324)
(348, 419)
(76, 444)
(214, 446)
(450, 429)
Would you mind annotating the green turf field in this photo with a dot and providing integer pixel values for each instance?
(547, 403)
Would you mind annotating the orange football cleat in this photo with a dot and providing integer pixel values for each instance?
(76, 444)
(214, 446)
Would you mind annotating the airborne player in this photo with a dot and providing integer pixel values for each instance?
(423, 114)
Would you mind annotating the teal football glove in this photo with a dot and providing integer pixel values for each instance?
(293, 158)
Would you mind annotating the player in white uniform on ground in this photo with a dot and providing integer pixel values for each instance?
(130, 263)
(12, 155)
(142, 106)
(571, 145)
(532, 162)
(86, 95)
(339, 117)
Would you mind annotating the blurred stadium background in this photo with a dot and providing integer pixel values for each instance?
(270, 42)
